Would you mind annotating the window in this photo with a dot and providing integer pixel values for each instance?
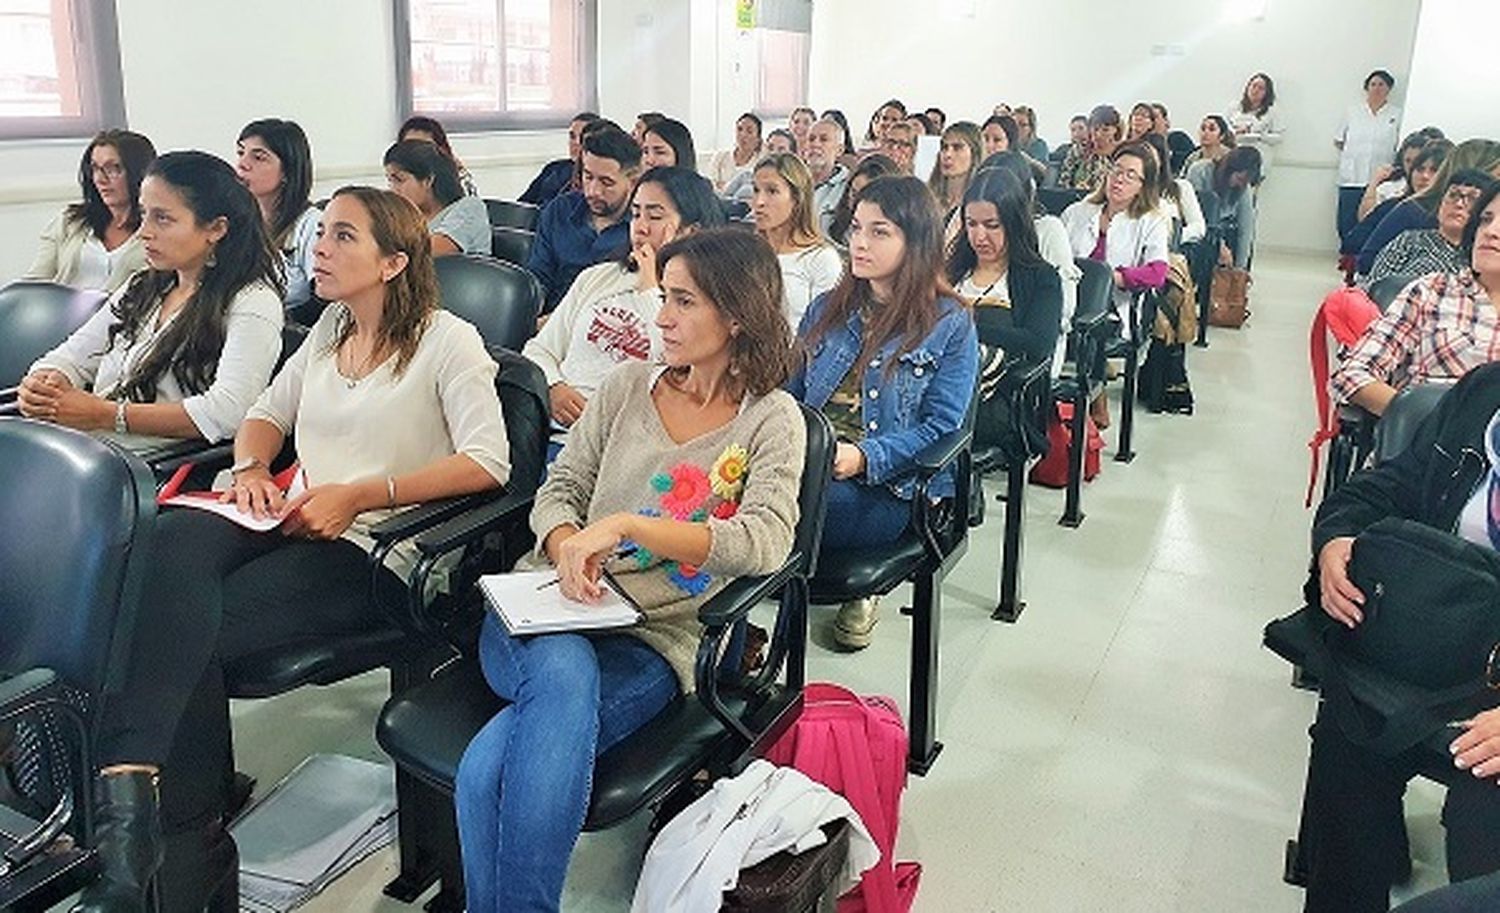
(486, 64)
(59, 68)
(783, 42)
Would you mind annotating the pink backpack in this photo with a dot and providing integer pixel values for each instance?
(856, 746)
(1345, 313)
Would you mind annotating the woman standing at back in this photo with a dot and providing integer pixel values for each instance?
(1253, 120)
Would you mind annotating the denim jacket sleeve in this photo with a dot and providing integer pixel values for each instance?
(943, 368)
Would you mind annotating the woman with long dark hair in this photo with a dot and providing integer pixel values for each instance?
(183, 350)
(92, 244)
(275, 163)
(668, 143)
(869, 168)
(890, 356)
(429, 180)
(430, 130)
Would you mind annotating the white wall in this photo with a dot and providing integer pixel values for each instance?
(1453, 84)
(1064, 56)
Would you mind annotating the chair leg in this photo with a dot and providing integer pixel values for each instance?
(922, 744)
(1077, 450)
(1011, 604)
(416, 803)
(1124, 453)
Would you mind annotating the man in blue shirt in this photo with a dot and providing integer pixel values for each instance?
(556, 177)
(588, 226)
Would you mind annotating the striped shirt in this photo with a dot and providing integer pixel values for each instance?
(1442, 326)
(1416, 252)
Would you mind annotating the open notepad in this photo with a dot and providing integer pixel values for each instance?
(531, 602)
(291, 481)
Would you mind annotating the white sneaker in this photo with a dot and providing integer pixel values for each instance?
(855, 623)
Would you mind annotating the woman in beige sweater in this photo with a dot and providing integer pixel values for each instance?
(93, 244)
(693, 469)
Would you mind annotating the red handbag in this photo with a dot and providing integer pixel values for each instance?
(1052, 470)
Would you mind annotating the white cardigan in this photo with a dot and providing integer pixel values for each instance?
(1132, 241)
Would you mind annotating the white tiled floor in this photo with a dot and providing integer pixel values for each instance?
(1128, 745)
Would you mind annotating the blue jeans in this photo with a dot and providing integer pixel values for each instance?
(860, 515)
(525, 780)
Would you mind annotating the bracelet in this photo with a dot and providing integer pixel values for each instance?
(390, 491)
(120, 426)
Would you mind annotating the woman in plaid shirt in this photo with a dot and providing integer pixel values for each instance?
(1440, 326)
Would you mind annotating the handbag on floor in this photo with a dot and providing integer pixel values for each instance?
(1229, 298)
(1051, 471)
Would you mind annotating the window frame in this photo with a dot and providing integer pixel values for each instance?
(457, 122)
(96, 42)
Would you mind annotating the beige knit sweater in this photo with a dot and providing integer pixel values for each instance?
(741, 479)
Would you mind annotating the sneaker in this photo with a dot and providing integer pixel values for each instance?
(855, 623)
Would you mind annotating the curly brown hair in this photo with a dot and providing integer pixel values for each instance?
(412, 294)
(739, 273)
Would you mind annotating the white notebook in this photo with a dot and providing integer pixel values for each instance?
(531, 602)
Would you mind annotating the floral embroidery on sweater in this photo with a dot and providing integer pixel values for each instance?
(684, 492)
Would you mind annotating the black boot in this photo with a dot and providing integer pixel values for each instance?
(128, 836)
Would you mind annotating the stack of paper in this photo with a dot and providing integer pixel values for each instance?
(327, 815)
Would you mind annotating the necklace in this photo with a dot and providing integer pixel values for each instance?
(356, 373)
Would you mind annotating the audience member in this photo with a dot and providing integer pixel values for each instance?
(997, 270)
(849, 157)
(799, 123)
(429, 130)
(669, 143)
(1142, 121)
(1179, 144)
(900, 145)
(185, 347)
(825, 141)
(426, 178)
(742, 187)
(1353, 831)
(921, 126)
(1253, 120)
(1078, 135)
(1121, 224)
(1214, 141)
(1178, 197)
(643, 122)
(93, 244)
(729, 162)
(1000, 133)
(712, 419)
(1390, 181)
(1366, 136)
(275, 163)
(891, 357)
(591, 225)
(938, 118)
(1419, 251)
(1088, 163)
(559, 176)
(393, 402)
(608, 316)
(783, 210)
(1441, 325)
(1420, 211)
(957, 161)
(887, 115)
(1027, 139)
(1233, 179)
(1423, 173)
(1001, 110)
(869, 168)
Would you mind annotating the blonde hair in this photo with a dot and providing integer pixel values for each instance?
(793, 171)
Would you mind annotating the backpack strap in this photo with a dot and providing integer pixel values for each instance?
(1328, 420)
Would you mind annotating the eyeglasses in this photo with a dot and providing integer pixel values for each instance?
(1462, 196)
(1125, 174)
(108, 171)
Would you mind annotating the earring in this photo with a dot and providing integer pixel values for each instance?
(213, 259)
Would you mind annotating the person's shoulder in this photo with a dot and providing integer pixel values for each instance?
(776, 408)
(624, 383)
(258, 299)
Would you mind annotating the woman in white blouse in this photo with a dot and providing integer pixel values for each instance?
(393, 402)
(92, 244)
(274, 161)
(184, 349)
(784, 215)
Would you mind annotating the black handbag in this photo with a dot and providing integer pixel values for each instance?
(1428, 649)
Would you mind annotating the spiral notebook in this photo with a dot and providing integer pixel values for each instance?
(531, 602)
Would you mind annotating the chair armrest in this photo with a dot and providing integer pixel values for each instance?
(742, 594)
(933, 458)
(421, 517)
(462, 528)
(1091, 325)
(168, 459)
(1021, 377)
(10, 401)
(20, 691)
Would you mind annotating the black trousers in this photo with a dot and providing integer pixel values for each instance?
(1348, 216)
(217, 592)
(1353, 826)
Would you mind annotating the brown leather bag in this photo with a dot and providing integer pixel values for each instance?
(1229, 298)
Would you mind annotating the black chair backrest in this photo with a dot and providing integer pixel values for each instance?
(528, 419)
(1095, 289)
(501, 299)
(78, 514)
(1055, 199)
(812, 498)
(1383, 291)
(292, 337)
(1398, 425)
(34, 318)
(513, 245)
(512, 214)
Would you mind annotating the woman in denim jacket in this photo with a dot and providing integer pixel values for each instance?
(895, 317)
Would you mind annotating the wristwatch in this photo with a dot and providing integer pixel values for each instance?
(120, 426)
(244, 464)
